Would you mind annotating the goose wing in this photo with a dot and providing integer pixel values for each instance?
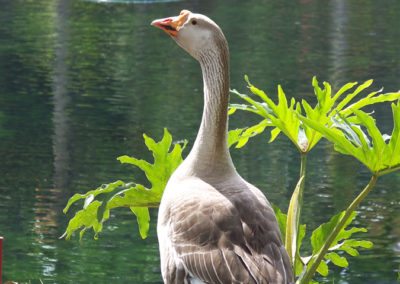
(224, 239)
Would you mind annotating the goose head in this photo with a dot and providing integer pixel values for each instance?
(195, 33)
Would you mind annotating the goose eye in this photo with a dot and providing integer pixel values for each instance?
(194, 22)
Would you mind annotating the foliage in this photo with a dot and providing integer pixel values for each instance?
(370, 148)
(98, 203)
(338, 118)
(335, 116)
(379, 153)
(342, 242)
(284, 115)
(282, 222)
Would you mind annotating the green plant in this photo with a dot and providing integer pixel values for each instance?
(379, 153)
(97, 203)
(338, 119)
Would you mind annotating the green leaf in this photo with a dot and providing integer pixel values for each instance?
(256, 107)
(349, 97)
(371, 148)
(342, 242)
(319, 235)
(285, 120)
(394, 143)
(143, 220)
(336, 259)
(349, 246)
(84, 219)
(323, 269)
(299, 263)
(164, 163)
(293, 219)
(344, 89)
(274, 133)
(98, 203)
(336, 137)
(234, 107)
(251, 132)
(350, 250)
(104, 189)
(370, 100)
(234, 136)
(281, 218)
(241, 136)
(377, 139)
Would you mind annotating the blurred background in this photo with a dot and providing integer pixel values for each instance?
(81, 81)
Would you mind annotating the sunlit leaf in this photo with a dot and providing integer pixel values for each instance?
(320, 234)
(283, 116)
(379, 152)
(234, 136)
(323, 268)
(370, 100)
(84, 219)
(274, 133)
(293, 217)
(341, 242)
(336, 259)
(105, 188)
(143, 220)
(99, 202)
(350, 96)
(299, 264)
(394, 143)
(281, 218)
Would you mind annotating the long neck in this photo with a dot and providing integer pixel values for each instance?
(210, 151)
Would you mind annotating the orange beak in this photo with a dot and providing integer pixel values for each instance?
(172, 25)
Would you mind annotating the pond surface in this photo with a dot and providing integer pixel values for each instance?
(81, 81)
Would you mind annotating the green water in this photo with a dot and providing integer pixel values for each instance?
(81, 81)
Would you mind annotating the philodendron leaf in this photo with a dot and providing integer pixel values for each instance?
(282, 221)
(394, 143)
(104, 189)
(85, 219)
(342, 242)
(293, 219)
(98, 203)
(234, 136)
(283, 115)
(323, 269)
(164, 164)
(337, 259)
(380, 153)
(143, 219)
(281, 218)
(241, 136)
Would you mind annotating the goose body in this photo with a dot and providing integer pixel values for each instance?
(213, 226)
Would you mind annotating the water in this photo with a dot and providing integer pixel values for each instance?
(81, 81)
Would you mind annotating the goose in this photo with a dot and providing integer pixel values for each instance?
(213, 226)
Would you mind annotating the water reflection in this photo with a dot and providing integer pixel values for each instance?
(134, 1)
(80, 82)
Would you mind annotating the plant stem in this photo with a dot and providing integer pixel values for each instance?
(303, 164)
(321, 254)
(294, 212)
(388, 171)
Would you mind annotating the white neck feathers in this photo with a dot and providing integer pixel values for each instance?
(210, 153)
